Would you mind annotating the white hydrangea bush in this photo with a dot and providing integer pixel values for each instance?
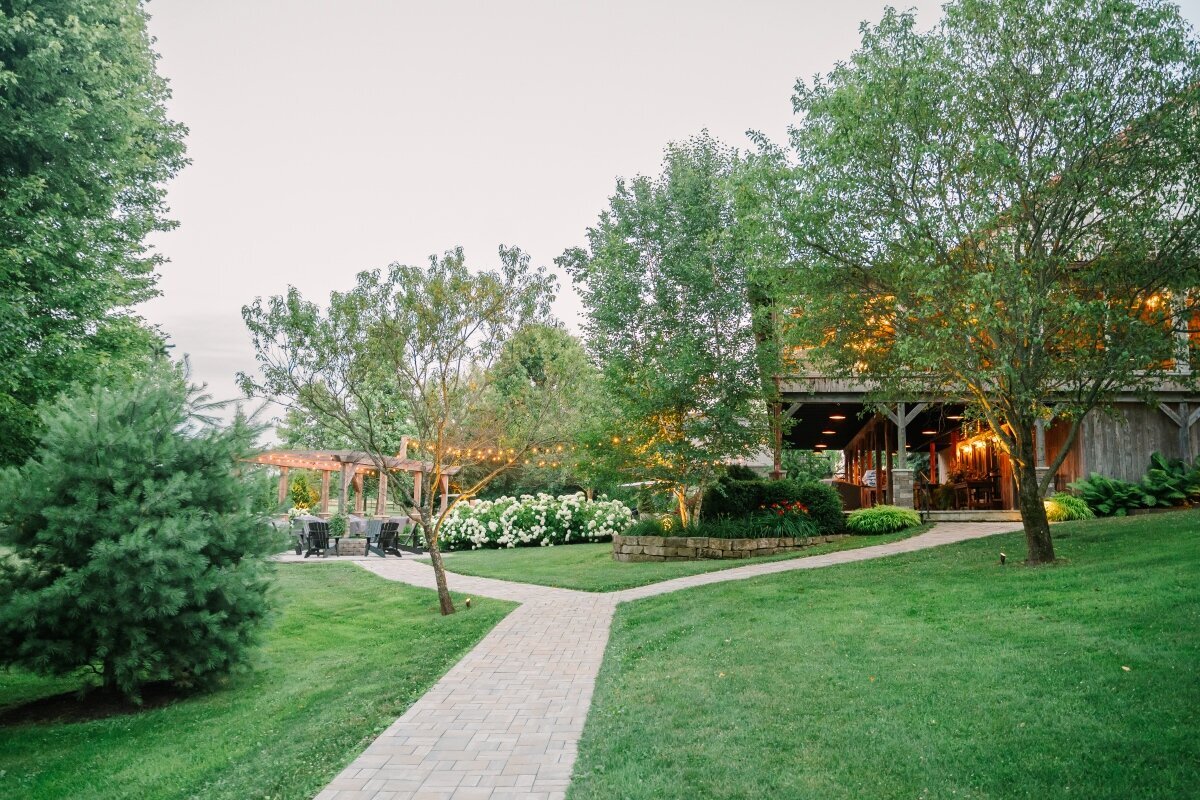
(526, 521)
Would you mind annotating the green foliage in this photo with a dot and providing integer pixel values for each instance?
(743, 499)
(737, 472)
(1171, 481)
(993, 208)
(649, 526)
(85, 153)
(808, 465)
(137, 548)
(541, 521)
(664, 281)
(788, 519)
(1111, 497)
(1067, 507)
(303, 493)
(339, 523)
(882, 519)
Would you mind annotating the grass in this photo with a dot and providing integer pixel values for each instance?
(931, 675)
(590, 567)
(348, 653)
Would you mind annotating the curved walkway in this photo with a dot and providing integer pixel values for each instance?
(505, 721)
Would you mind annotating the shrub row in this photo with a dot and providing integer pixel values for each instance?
(529, 520)
(740, 499)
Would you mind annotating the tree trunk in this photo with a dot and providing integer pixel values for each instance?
(1033, 509)
(439, 575)
(682, 503)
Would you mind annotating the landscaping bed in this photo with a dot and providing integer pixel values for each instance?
(693, 548)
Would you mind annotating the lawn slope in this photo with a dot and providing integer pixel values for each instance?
(934, 674)
(348, 653)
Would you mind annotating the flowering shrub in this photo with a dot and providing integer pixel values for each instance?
(526, 521)
(788, 518)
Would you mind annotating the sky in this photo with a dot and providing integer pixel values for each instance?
(332, 136)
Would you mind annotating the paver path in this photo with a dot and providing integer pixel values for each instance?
(505, 721)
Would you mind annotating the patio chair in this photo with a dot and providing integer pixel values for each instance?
(387, 540)
(318, 539)
(298, 531)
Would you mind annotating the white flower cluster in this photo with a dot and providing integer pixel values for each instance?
(530, 520)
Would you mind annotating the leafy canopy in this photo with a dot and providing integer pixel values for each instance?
(1003, 209)
(85, 149)
(664, 281)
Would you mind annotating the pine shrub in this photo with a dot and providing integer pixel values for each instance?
(137, 541)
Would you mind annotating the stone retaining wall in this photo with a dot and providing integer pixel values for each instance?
(693, 548)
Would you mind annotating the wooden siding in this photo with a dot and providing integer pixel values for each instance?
(1120, 446)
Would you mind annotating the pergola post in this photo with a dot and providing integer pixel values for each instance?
(283, 485)
(445, 481)
(324, 491)
(359, 501)
(345, 493)
(381, 497)
(417, 476)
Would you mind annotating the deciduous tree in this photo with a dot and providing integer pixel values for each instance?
(1004, 210)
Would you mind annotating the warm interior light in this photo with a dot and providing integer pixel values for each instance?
(837, 416)
(954, 416)
(827, 433)
(820, 445)
(929, 433)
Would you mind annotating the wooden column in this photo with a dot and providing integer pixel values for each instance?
(381, 497)
(360, 503)
(344, 496)
(445, 493)
(324, 491)
(1039, 442)
(283, 485)
(901, 436)
(417, 488)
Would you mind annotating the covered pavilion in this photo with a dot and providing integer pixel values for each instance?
(351, 466)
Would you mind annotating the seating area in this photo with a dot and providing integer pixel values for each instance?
(382, 537)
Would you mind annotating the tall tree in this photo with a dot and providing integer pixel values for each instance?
(1004, 209)
(85, 147)
(411, 350)
(666, 290)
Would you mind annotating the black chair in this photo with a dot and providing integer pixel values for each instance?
(388, 534)
(318, 539)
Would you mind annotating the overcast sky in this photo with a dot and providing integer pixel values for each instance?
(332, 136)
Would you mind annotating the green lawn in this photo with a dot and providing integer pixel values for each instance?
(348, 653)
(590, 567)
(938, 674)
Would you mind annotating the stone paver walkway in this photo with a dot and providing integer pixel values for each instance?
(505, 721)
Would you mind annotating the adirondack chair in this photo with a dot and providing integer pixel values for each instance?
(318, 540)
(386, 543)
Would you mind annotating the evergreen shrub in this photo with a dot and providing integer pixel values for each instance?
(137, 543)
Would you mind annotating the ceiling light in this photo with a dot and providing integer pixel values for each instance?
(837, 416)
(820, 445)
(929, 433)
(827, 433)
(954, 416)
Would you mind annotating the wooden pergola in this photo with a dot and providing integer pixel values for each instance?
(352, 465)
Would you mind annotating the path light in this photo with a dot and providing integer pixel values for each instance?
(468, 603)
(1002, 558)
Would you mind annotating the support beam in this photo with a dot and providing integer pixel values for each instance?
(901, 436)
(283, 485)
(324, 491)
(381, 496)
(359, 500)
(1184, 417)
(791, 410)
(417, 476)
(445, 481)
(1039, 440)
(344, 497)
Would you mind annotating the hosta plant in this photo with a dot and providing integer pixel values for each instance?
(1066, 507)
(1111, 497)
(882, 519)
